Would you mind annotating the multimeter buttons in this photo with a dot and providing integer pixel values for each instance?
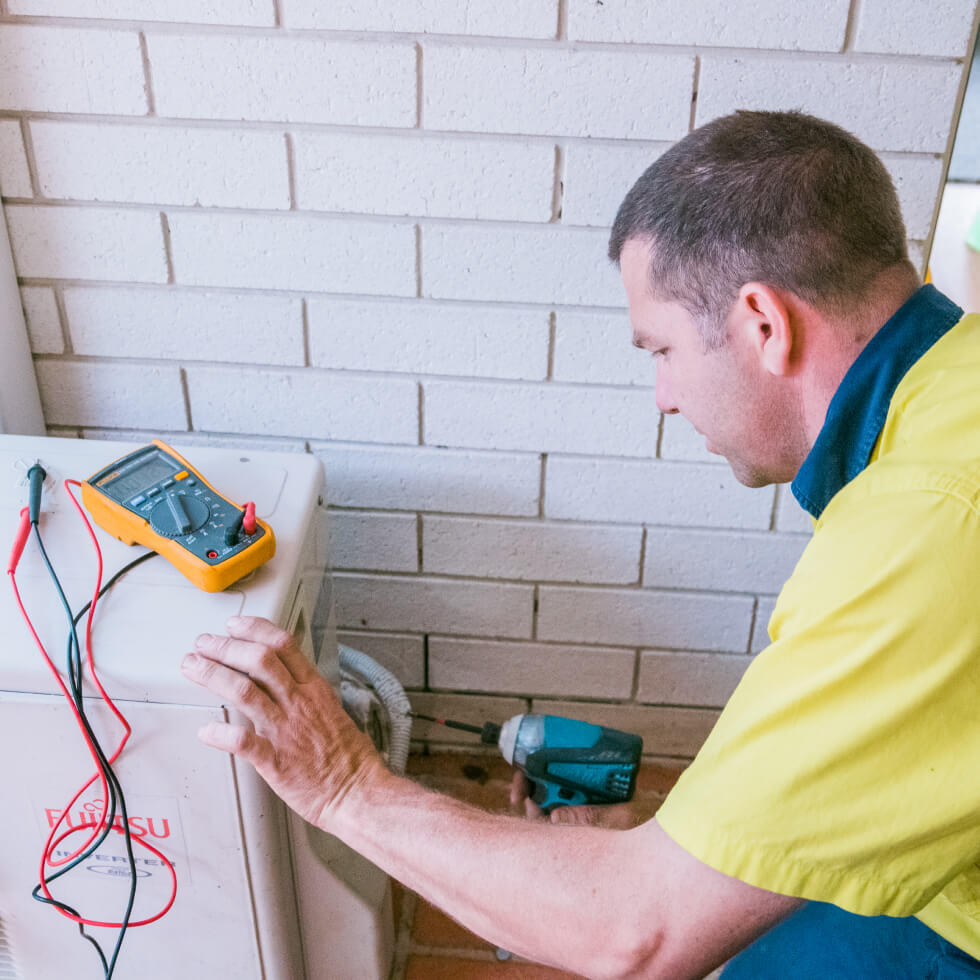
(176, 514)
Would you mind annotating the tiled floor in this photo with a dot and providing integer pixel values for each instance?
(430, 945)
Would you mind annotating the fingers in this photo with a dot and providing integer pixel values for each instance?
(237, 740)
(254, 629)
(230, 685)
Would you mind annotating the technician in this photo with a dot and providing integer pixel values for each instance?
(834, 810)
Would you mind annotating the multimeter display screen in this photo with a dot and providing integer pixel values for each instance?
(145, 474)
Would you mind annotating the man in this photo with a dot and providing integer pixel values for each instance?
(765, 265)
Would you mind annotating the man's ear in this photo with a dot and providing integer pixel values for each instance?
(764, 319)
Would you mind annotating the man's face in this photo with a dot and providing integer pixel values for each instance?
(722, 392)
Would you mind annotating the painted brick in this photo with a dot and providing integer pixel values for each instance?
(635, 617)
(176, 324)
(114, 395)
(87, 243)
(530, 668)
(425, 176)
(760, 631)
(379, 542)
(537, 91)
(918, 181)
(665, 731)
(59, 69)
(630, 491)
(790, 516)
(15, 175)
(432, 479)
(161, 165)
(532, 265)
(720, 561)
(293, 252)
(806, 27)
(419, 604)
(471, 708)
(596, 348)
(283, 79)
(530, 550)
(598, 177)
(704, 680)
(249, 13)
(546, 417)
(890, 106)
(43, 321)
(682, 442)
(403, 655)
(445, 339)
(314, 404)
(511, 18)
(941, 29)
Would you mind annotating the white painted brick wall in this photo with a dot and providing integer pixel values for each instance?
(433, 605)
(511, 18)
(941, 29)
(535, 550)
(652, 492)
(628, 617)
(377, 232)
(597, 348)
(87, 243)
(114, 395)
(15, 175)
(116, 322)
(446, 338)
(890, 106)
(249, 13)
(808, 27)
(43, 321)
(431, 479)
(530, 668)
(315, 404)
(272, 79)
(54, 69)
(382, 542)
(539, 265)
(560, 93)
(438, 178)
(703, 680)
(161, 165)
(293, 252)
(549, 417)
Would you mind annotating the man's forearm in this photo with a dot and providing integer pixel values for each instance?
(572, 897)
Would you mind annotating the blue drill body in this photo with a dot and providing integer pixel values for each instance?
(569, 762)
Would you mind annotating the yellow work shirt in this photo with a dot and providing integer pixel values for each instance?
(846, 766)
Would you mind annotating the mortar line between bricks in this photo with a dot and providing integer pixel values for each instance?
(27, 137)
(644, 537)
(421, 407)
(419, 518)
(418, 262)
(552, 336)
(59, 302)
(696, 80)
(185, 389)
(305, 327)
(542, 486)
(291, 171)
(658, 452)
(419, 76)
(147, 76)
(561, 34)
(407, 133)
(776, 500)
(558, 190)
(850, 28)
(316, 35)
(277, 14)
(167, 248)
(752, 622)
(635, 684)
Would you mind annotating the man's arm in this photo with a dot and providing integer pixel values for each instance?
(600, 902)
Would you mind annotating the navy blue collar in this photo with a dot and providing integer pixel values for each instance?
(858, 409)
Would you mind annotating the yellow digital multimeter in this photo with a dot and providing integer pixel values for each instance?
(155, 498)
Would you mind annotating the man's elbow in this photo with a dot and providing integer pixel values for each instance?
(631, 955)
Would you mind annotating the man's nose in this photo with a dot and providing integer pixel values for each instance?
(664, 396)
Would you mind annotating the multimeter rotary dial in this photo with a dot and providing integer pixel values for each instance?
(176, 514)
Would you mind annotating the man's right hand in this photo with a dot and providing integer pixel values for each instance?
(618, 816)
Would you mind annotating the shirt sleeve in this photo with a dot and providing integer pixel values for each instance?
(845, 767)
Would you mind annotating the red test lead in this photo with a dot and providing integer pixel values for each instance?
(20, 541)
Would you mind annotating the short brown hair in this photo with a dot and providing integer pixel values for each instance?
(776, 197)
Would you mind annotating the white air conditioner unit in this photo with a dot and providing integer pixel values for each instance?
(260, 893)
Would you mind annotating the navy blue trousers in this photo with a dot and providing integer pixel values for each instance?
(823, 942)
